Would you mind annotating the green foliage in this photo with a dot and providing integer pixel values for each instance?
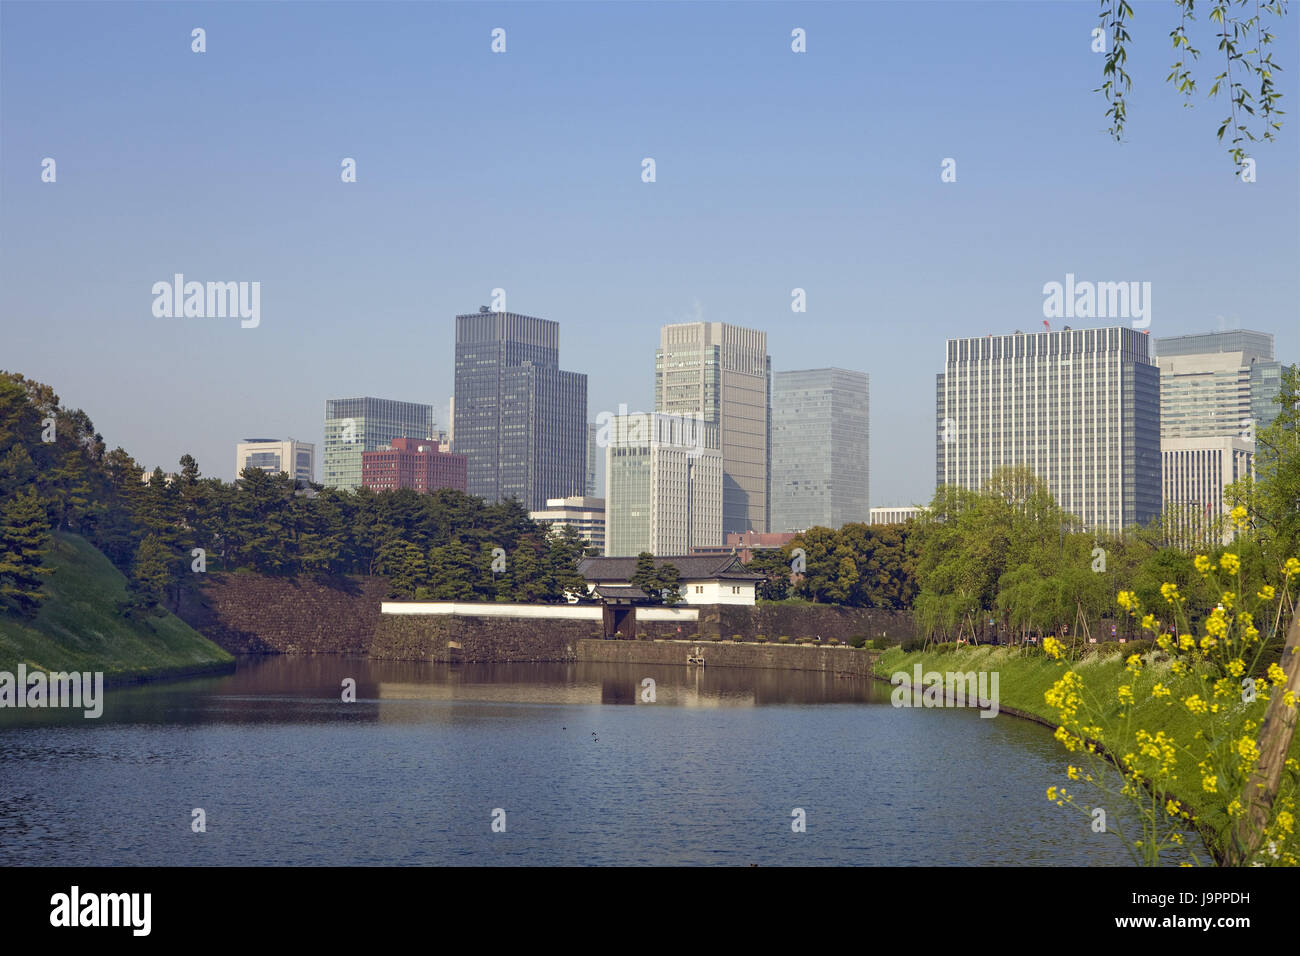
(1244, 44)
(432, 546)
(24, 542)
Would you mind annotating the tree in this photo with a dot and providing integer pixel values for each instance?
(151, 574)
(1232, 33)
(646, 575)
(668, 582)
(24, 542)
(1272, 498)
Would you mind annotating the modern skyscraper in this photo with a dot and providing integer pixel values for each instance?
(1080, 408)
(1217, 384)
(723, 373)
(296, 458)
(1216, 392)
(593, 456)
(520, 421)
(820, 432)
(357, 425)
(663, 481)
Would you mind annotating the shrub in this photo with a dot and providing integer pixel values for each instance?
(859, 640)
(913, 644)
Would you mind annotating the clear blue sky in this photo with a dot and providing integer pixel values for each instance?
(522, 171)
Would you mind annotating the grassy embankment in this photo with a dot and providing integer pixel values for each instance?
(1025, 675)
(79, 627)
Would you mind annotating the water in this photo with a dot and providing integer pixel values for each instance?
(586, 773)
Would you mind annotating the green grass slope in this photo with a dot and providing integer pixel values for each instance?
(79, 627)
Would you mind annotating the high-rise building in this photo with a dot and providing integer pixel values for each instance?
(663, 481)
(584, 514)
(1217, 384)
(723, 373)
(520, 421)
(1194, 474)
(296, 458)
(354, 426)
(820, 433)
(1079, 407)
(1216, 392)
(593, 456)
(412, 463)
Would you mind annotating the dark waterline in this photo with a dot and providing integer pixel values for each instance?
(586, 772)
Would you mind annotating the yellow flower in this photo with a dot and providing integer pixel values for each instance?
(1186, 642)
(1202, 564)
(1276, 675)
(1053, 647)
(1291, 568)
(1127, 600)
(1051, 794)
(1171, 808)
(1236, 667)
(1072, 773)
(1149, 623)
(1239, 516)
(1234, 808)
(1286, 821)
(1248, 750)
(1266, 593)
(1177, 668)
(1227, 598)
(1230, 562)
(1125, 694)
(1210, 783)
(1217, 622)
(1208, 643)
(1195, 704)
(1160, 690)
(1170, 592)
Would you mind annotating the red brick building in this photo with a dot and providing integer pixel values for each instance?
(414, 463)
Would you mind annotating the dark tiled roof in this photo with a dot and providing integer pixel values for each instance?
(689, 567)
(612, 592)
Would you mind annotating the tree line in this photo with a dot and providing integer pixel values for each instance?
(57, 474)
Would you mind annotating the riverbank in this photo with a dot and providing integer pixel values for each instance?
(1025, 676)
(79, 627)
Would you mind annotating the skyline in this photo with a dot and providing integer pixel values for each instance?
(775, 171)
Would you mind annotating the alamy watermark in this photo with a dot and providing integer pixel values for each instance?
(82, 691)
(1098, 300)
(954, 689)
(210, 300)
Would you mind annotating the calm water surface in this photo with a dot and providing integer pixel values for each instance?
(586, 772)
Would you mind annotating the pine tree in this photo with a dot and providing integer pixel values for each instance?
(646, 576)
(24, 542)
(151, 576)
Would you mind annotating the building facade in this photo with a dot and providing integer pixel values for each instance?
(520, 421)
(411, 463)
(354, 426)
(1217, 384)
(1216, 392)
(1195, 473)
(1079, 408)
(723, 373)
(583, 513)
(894, 514)
(820, 455)
(663, 485)
(296, 458)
